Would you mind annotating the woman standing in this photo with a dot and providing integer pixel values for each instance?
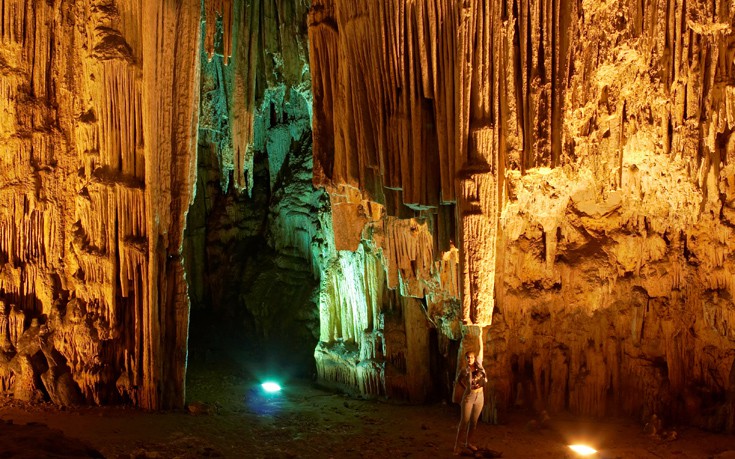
(472, 377)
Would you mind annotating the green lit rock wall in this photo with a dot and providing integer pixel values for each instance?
(255, 222)
(297, 268)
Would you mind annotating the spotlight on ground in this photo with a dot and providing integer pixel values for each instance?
(583, 450)
(271, 387)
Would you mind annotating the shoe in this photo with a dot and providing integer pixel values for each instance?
(472, 447)
(456, 451)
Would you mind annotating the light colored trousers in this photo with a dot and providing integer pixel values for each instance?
(472, 403)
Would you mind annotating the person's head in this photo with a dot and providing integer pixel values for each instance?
(470, 356)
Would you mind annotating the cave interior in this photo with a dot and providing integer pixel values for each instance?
(357, 193)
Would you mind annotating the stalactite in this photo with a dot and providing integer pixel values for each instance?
(83, 216)
(121, 142)
(409, 255)
(247, 66)
(214, 9)
(449, 275)
(479, 213)
(431, 70)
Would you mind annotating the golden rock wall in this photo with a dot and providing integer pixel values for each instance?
(579, 156)
(97, 144)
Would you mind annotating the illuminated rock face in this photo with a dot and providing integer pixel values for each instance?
(99, 137)
(579, 157)
(253, 233)
(96, 173)
(550, 184)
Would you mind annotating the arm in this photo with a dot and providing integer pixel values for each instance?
(482, 370)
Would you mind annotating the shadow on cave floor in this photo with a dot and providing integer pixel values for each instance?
(305, 422)
(36, 440)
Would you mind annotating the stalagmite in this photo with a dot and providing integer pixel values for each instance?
(16, 324)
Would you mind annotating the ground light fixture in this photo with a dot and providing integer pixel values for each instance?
(271, 387)
(582, 450)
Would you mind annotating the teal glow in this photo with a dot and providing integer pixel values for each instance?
(271, 387)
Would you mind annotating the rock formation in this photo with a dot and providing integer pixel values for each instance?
(255, 221)
(97, 175)
(384, 183)
(577, 155)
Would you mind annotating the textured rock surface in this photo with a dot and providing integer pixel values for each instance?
(96, 177)
(550, 183)
(254, 231)
(578, 155)
(100, 131)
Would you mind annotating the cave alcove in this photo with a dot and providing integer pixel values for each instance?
(253, 307)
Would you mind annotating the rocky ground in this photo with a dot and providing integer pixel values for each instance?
(232, 419)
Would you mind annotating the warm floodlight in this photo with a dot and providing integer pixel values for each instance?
(271, 387)
(583, 450)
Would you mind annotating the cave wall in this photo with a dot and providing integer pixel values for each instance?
(578, 155)
(548, 183)
(124, 123)
(97, 174)
(253, 233)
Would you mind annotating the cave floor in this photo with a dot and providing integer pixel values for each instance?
(233, 420)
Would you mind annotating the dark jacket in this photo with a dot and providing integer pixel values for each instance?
(472, 377)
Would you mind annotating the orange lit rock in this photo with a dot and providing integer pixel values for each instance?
(585, 150)
(96, 177)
